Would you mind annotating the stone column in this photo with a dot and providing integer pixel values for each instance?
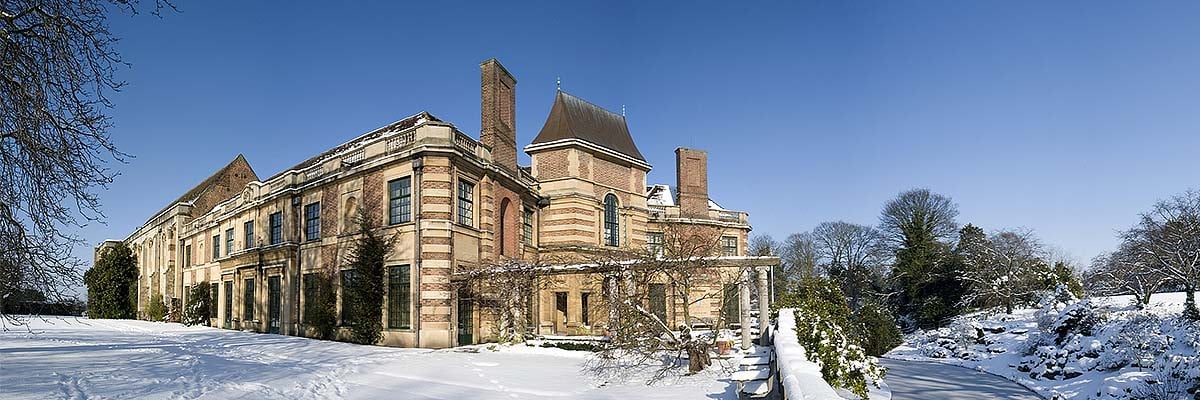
(764, 307)
(744, 310)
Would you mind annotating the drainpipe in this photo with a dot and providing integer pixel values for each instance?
(418, 166)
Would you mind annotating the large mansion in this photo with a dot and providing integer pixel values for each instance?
(455, 204)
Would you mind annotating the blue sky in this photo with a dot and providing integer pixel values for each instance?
(1067, 118)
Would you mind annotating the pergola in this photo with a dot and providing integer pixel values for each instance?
(755, 270)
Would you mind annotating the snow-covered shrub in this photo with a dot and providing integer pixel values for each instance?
(1171, 380)
(1134, 342)
(843, 363)
(1063, 315)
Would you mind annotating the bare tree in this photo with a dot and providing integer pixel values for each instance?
(59, 63)
(640, 332)
(1125, 271)
(798, 254)
(1005, 270)
(1169, 234)
(853, 255)
(506, 290)
(918, 212)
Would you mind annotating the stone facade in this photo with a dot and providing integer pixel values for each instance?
(453, 203)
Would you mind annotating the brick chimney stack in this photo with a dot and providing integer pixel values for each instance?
(691, 178)
(498, 113)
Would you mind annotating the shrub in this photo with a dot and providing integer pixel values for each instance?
(822, 318)
(199, 306)
(156, 310)
(877, 330)
(843, 363)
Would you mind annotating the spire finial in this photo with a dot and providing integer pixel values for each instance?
(558, 83)
(622, 110)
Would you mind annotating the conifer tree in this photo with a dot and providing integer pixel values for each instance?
(112, 284)
(364, 292)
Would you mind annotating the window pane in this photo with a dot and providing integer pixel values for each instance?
(527, 227)
(312, 221)
(276, 228)
(466, 202)
(249, 229)
(228, 241)
(400, 200)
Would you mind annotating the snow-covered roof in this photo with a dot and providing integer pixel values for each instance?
(661, 195)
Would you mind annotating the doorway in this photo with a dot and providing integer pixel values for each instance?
(465, 318)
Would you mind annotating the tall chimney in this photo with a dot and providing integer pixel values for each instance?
(691, 179)
(498, 113)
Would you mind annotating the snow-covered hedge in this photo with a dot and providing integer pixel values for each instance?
(800, 378)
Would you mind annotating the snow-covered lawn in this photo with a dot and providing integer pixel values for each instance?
(1093, 364)
(80, 358)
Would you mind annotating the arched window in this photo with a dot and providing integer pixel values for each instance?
(504, 226)
(611, 223)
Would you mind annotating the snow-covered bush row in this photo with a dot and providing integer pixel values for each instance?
(800, 378)
(1097, 348)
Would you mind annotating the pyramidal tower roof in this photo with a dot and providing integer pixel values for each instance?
(575, 118)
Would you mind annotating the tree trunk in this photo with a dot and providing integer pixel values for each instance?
(698, 358)
(1189, 306)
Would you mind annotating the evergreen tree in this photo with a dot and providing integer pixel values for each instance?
(320, 304)
(156, 310)
(923, 275)
(112, 284)
(364, 293)
(199, 307)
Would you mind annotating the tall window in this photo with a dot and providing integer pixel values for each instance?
(527, 227)
(400, 200)
(228, 303)
(347, 315)
(277, 228)
(399, 297)
(228, 241)
(216, 246)
(216, 298)
(249, 229)
(466, 202)
(248, 301)
(729, 246)
(310, 295)
(312, 221)
(654, 243)
(187, 255)
(612, 227)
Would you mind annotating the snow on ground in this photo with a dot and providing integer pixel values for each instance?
(1081, 366)
(81, 358)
